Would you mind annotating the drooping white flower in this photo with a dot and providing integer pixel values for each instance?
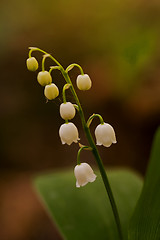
(105, 135)
(51, 91)
(84, 174)
(68, 133)
(32, 64)
(84, 82)
(44, 78)
(67, 111)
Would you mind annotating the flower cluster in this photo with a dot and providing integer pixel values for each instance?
(68, 132)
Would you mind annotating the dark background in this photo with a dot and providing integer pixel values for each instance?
(117, 44)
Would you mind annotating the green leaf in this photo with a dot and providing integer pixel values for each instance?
(145, 223)
(85, 213)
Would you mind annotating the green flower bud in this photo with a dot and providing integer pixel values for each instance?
(44, 78)
(32, 64)
(51, 91)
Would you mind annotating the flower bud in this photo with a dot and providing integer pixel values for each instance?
(84, 174)
(32, 64)
(51, 91)
(44, 78)
(67, 110)
(105, 135)
(68, 133)
(84, 82)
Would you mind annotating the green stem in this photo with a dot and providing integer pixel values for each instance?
(63, 94)
(65, 87)
(92, 117)
(79, 151)
(74, 65)
(31, 50)
(43, 61)
(54, 68)
(40, 50)
(93, 146)
(97, 157)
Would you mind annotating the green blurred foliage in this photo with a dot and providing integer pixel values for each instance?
(124, 34)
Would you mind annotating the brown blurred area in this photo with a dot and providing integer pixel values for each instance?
(117, 44)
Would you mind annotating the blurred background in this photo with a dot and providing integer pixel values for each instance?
(117, 44)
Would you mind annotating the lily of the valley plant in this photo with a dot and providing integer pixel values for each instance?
(68, 132)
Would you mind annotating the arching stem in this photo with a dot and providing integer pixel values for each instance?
(92, 145)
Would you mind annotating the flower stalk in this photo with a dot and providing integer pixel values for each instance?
(79, 152)
(89, 137)
(92, 117)
(66, 86)
(74, 65)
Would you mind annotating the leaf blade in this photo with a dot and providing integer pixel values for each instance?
(145, 222)
(86, 213)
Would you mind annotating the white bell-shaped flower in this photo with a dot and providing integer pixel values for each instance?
(51, 91)
(68, 133)
(44, 78)
(32, 64)
(67, 111)
(84, 174)
(84, 82)
(105, 135)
